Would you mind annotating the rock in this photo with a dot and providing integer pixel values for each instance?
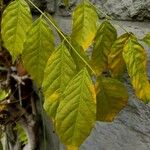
(51, 6)
(129, 131)
(127, 9)
(117, 9)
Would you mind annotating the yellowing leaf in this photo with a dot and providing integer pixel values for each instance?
(115, 59)
(77, 110)
(146, 39)
(58, 72)
(136, 61)
(72, 148)
(16, 20)
(79, 63)
(104, 39)
(84, 24)
(38, 47)
(112, 97)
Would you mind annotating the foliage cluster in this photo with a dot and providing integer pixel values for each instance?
(79, 88)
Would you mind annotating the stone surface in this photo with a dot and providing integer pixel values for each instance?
(128, 9)
(117, 9)
(129, 131)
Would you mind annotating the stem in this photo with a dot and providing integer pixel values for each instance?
(59, 31)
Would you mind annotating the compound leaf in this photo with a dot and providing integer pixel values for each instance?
(116, 62)
(16, 20)
(58, 72)
(104, 39)
(112, 97)
(146, 39)
(77, 111)
(136, 61)
(38, 47)
(84, 24)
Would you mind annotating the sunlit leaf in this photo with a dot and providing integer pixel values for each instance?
(104, 39)
(146, 39)
(136, 62)
(84, 24)
(3, 94)
(16, 20)
(37, 49)
(79, 63)
(112, 97)
(22, 137)
(115, 59)
(77, 111)
(58, 72)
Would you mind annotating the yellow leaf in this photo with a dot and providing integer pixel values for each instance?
(76, 113)
(16, 20)
(60, 69)
(85, 20)
(146, 39)
(104, 39)
(116, 62)
(72, 148)
(136, 61)
(38, 47)
(112, 97)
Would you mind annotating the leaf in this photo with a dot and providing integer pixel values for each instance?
(16, 20)
(77, 110)
(37, 49)
(136, 61)
(22, 137)
(85, 21)
(115, 59)
(104, 39)
(112, 97)
(3, 94)
(79, 63)
(66, 2)
(58, 72)
(146, 39)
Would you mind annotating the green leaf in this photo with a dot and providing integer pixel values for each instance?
(136, 61)
(115, 59)
(58, 72)
(85, 21)
(77, 110)
(3, 94)
(16, 20)
(22, 137)
(79, 63)
(38, 47)
(104, 39)
(146, 39)
(112, 97)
